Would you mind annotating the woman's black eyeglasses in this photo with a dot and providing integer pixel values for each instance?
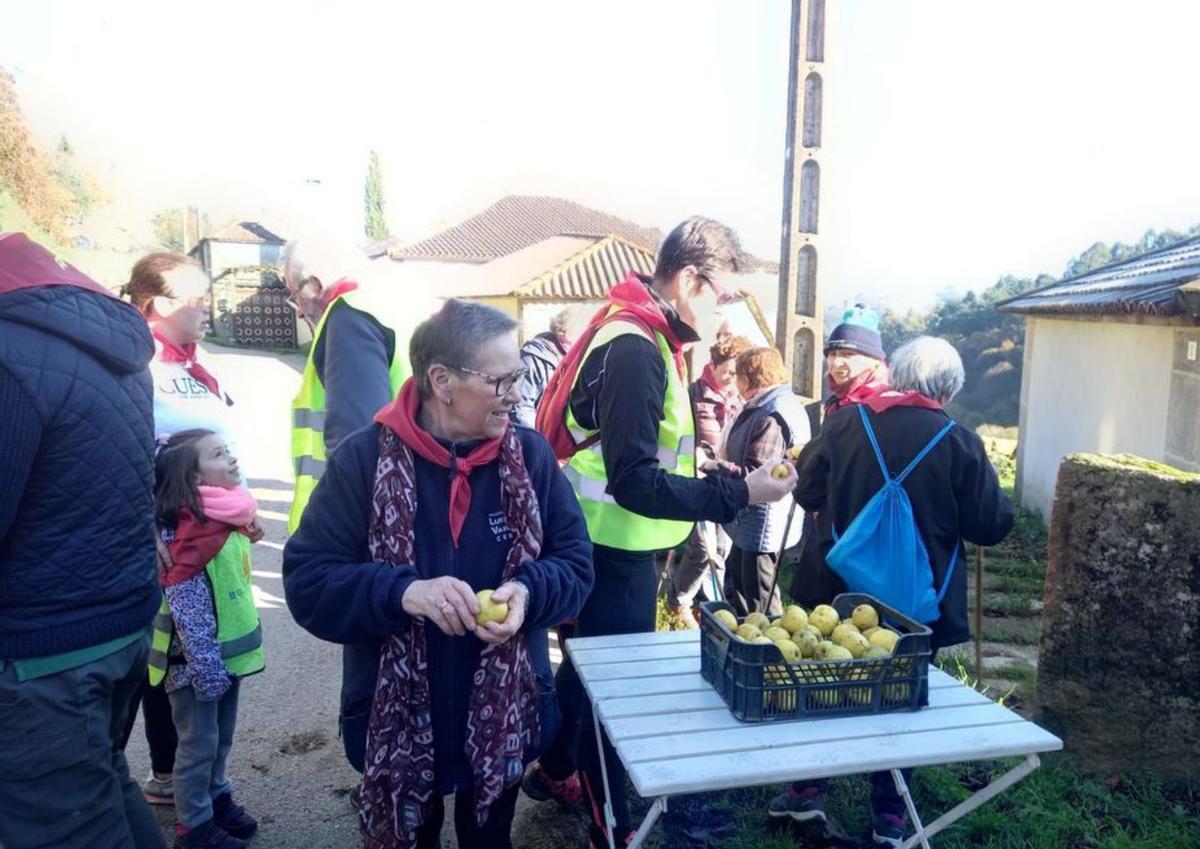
(503, 384)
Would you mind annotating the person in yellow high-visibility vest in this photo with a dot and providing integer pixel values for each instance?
(634, 474)
(356, 364)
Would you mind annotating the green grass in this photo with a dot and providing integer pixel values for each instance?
(1056, 807)
(994, 633)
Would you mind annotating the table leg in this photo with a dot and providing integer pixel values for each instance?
(902, 789)
(965, 807)
(658, 808)
(609, 819)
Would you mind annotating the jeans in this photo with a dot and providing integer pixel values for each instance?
(159, 727)
(495, 833)
(64, 782)
(702, 563)
(205, 738)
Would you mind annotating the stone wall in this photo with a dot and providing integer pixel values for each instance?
(1119, 665)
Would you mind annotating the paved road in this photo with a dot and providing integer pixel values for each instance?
(287, 759)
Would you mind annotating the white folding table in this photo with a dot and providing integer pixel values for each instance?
(675, 735)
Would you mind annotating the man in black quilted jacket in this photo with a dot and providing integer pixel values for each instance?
(78, 586)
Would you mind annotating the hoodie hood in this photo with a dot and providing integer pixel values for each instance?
(38, 290)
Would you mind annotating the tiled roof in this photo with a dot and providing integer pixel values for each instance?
(245, 231)
(518, 221)
(590, 273)
(1148, 284)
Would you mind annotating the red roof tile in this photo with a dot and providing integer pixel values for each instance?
(518, 221)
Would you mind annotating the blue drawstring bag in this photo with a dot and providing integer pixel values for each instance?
(882, 553)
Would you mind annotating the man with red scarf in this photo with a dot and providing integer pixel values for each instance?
(628, 403)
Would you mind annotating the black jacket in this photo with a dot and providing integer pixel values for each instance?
(619, 391)
(954, 492)
(76, 471)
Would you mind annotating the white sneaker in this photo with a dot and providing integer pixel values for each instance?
(159, 791)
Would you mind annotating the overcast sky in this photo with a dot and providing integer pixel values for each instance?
(962, 140)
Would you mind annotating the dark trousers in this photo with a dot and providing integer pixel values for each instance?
(496, 833)
(621, 602)
(64, 782)
(559, 758)
(751, 574)
(885, 799)
(161, 735)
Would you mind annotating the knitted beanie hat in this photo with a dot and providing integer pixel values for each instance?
(857, 332)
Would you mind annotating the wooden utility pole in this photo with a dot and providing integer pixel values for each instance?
(799, 332)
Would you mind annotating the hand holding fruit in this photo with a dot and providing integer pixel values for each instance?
(446, 602)
(771, 482)
(501, 612)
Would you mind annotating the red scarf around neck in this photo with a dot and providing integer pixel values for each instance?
(401, 417)
(186, 354)
(335, 291)
(632, 295)
(890, 398)
(857, 390)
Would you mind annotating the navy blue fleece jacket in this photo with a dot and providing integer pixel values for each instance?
(338, 593)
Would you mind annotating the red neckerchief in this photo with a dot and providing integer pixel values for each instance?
(632, 295)
(186, 354)
(890, 398)
(24, 264)
(857, 391)
(335, 291)
(401, 417)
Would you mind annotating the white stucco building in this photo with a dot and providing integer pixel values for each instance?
(1112, 364)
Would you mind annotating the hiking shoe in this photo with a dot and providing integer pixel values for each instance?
(232, 818)
(541, 787)
(805, 806)
(207, 835)
(888, 829)
(159, 791)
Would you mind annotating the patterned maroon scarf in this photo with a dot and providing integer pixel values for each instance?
(502, 721)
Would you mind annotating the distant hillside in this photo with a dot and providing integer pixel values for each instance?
(992, 345)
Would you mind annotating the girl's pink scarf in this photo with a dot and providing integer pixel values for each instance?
(235, 506)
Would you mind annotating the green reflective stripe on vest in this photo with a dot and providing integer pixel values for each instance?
(310, 466)
(314, 419)
(160, 643)
(242, 644)
(308, 409)
(239, 630)
(609, 523)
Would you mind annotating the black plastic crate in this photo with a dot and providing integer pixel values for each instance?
(759, 686)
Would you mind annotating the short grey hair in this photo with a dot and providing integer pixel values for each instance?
(307, 258)
(560, 322)
(927, 365)
(453, 336)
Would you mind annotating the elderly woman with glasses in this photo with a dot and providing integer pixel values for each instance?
(441, 499)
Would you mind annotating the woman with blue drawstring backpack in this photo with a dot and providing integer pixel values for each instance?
(896, 453)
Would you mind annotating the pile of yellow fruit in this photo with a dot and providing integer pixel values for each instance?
(817, 645)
